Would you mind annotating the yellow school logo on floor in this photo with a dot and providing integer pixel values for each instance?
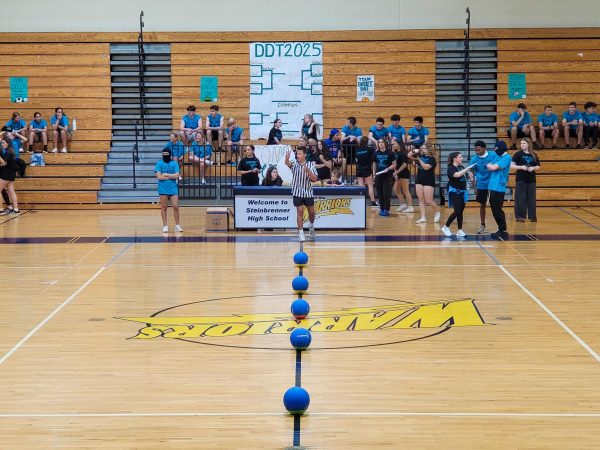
(401, 316)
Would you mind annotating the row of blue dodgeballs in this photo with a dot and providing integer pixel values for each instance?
(296, 399)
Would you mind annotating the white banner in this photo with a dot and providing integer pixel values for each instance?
(278, 211)
(365, 88)
(274, 155)
(286, 82)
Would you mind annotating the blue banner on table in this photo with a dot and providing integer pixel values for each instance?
(286, 82)
(517, 86)
(209, 89)
(19, 90)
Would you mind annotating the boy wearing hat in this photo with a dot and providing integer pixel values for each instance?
(497, 186)
(334, 144)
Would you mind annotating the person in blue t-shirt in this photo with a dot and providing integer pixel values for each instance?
(497, 187)
(377, 132)
(200, 153)
(548, 122)
(38, 132)
(17, 124)
(482, 175)
(572, 122)
(214, 126)
(60, 129)
(334, 144)
(190, 124)
(234, 142)
(396, 132)
(167, 173)
(521, 125)
(590, 125)
(176, 148)
(417, 135)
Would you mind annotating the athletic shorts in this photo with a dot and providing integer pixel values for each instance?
(520, 133)
(482, 196)
(548, 133)
(303, 201)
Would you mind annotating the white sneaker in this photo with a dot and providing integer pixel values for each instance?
(422, 220)
(447, 231)
(54, 150)
(401, 208)
(180, 178)
(64, 150)
(178, 228)
(481, 230)
(311, 234)
(409, 210)
(461, 233)
(301, 236)
(436, 217)
(203, 181)
(166, 229)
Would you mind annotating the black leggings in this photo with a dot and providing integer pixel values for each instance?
(458, 203)
(5, 197)
(383, 184)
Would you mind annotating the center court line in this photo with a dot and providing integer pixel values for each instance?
(322, 414)
(544, 307)
(59, 308)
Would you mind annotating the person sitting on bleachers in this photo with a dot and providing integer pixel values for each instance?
(177, 150)
(396, 132)
(190, 124)
(200, 153)
(60, 129)
(272, 177)
(351, 134)
(235, 140)
(548, 127)
(309, 128)
(417, 135)
(377, 132)
(590, 125)
(521, 125)
(275, 135)
(572, 122)
(38, 132)
(214, 126)
(335, 146)
(18, 126)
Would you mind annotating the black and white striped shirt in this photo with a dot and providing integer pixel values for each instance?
(301, 184)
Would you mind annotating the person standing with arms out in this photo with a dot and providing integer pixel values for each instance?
(304, 174)
(249, 167)
(458, 195)
(402, 177)
(364, 167)
(497, 187)
(526, 163)
(384, 164)
(425, 181)
(214, 125)
(167, 173)
(482, 175)
(275, 135)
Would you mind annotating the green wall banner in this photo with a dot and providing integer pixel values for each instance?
(517, 86)
(18, 89)
(209, 89)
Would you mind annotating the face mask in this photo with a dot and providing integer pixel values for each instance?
(500, 152)
(166, 158)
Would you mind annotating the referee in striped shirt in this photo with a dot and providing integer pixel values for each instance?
(304, 174)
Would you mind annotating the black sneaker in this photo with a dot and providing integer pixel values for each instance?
(6, 211)
(500, 235)
(15, 211)
(375, 204)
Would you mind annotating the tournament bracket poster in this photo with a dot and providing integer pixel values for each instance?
(286, 82)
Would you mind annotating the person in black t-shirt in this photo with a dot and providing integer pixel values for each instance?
(249, 167)
(8, 172)
(275, 135)
(402, 178)
(364, 167)
(384, 164)
(526, 163)
(424, 158)
(457, 192)
(323, 162)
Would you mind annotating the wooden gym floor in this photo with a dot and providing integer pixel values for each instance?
(113, 336)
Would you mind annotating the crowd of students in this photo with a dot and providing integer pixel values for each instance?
(582, 126)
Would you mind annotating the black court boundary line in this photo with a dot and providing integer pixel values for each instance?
(579, 218)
